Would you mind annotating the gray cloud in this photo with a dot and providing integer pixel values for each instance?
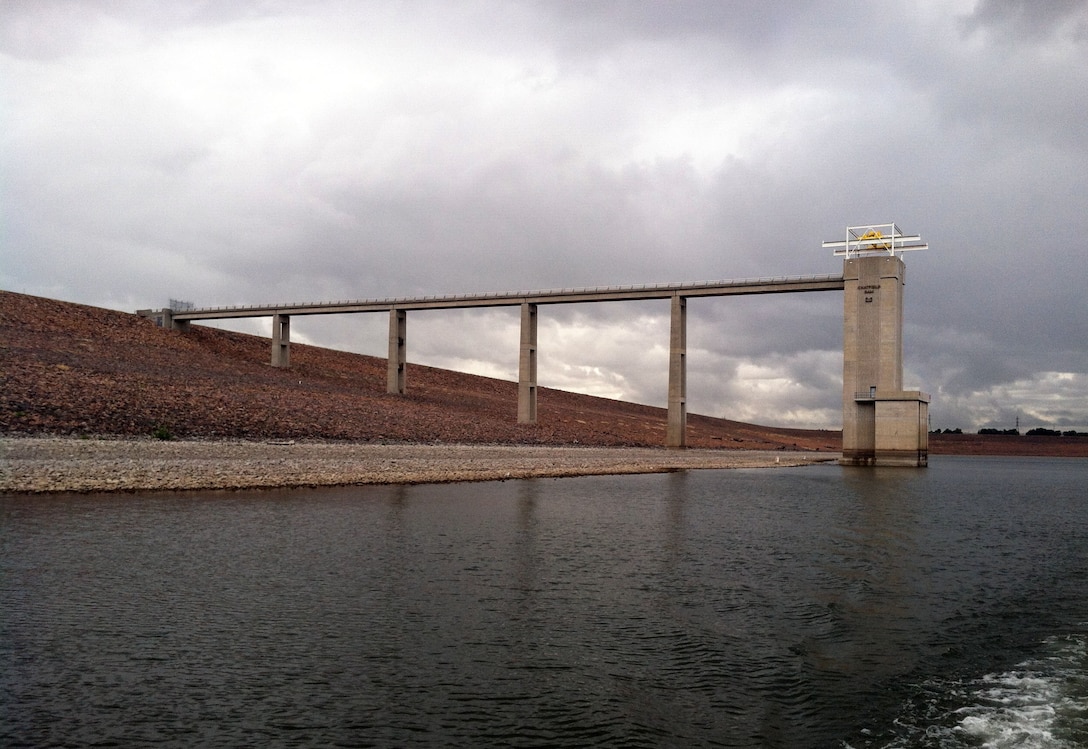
(256, 152)
(1024, 20)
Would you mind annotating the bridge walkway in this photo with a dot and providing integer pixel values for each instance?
(398, 307)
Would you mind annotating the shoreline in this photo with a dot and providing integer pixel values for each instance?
(53, 465)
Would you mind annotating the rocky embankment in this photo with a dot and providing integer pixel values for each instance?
(41, 465)
(72, 370)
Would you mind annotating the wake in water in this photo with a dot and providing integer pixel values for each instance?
(1040, 704)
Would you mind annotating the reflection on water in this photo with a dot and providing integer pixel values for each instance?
(822, 606)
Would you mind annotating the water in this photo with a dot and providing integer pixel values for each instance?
(814, 607)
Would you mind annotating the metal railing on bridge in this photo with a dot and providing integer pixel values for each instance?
(760, 285)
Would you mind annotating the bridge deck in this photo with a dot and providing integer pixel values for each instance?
(508, 299)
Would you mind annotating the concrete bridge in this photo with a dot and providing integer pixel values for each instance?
(881, 421)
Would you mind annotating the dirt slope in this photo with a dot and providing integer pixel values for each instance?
(78, 370)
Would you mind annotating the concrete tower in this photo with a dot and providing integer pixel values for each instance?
(882, 424)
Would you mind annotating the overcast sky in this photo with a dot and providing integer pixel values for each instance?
(299, 150)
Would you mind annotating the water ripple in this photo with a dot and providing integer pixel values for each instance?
(816, 607)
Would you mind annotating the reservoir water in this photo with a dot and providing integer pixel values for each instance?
(811, 607)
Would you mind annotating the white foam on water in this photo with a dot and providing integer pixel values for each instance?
(1015, 709)
(1040, 704)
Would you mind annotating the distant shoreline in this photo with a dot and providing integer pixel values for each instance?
(1009, 445)
(48, 465)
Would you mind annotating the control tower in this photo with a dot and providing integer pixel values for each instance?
(882, 424)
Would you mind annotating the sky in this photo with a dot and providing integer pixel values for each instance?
(318, 150)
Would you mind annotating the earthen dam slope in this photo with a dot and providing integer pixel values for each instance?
(75, 370)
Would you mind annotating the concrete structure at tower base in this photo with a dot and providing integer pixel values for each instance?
(890, 429)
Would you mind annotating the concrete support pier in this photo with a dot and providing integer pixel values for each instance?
(676, 435)
(281, 340)
(527, 365)
(398, 351)
(883, 425)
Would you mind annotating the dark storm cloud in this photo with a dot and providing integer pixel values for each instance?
(1023, 19)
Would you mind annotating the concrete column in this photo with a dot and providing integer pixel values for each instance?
(281, 340)
(676, 436)
(527, 366)
(398, 332)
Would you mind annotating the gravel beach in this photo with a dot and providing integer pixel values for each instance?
(46, 465)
